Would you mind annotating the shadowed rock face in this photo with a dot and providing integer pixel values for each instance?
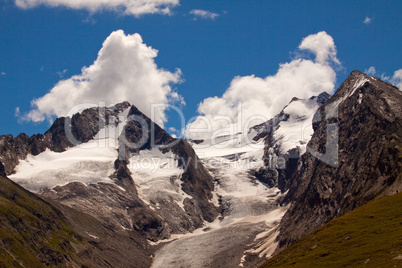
(366, 163)
(196, 181)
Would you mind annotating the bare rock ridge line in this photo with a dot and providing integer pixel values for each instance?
(83, 127)
(369, 166)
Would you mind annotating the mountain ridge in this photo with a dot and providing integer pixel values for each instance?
(101, 145)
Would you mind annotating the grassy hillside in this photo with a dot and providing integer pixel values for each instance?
(370, 236)
(32, 232)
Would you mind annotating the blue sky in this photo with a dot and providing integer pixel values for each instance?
(42, 45)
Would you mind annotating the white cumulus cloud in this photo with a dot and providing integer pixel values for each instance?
(251, 97)
(17, 111)
(204, 14)
(125, 70)
(322, 45)
(128, 7)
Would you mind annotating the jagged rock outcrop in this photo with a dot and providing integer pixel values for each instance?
(354, 156)
(197, 182)
(140, 133)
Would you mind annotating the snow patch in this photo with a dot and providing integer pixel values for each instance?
(357, 85)
(157, 177)
(76, 164)
(332, 108)
(296, 132)
(89, 163)
(92, 236)
(267, 248)
(108, 136)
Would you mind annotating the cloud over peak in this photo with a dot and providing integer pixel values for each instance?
(128, 7)
(370, 71)
(125, 70)
(250, 100)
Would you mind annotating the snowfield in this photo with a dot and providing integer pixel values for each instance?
(50, 169)
(90, 162)
(250, 212)
(296, 132)
(157, 177)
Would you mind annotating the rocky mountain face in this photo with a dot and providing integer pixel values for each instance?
(285, 138)
(92, 159)
(354, 156)
(196, 181)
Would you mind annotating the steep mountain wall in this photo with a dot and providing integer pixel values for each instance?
(354, 156)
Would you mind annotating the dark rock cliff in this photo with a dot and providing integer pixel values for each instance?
(354, 156)
(141, 133)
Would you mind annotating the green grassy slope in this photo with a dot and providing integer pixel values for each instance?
(32, 232)
(369, 236)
